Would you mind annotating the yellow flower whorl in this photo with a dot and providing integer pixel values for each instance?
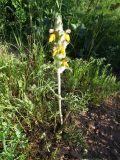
(52, 37)
(65, 63)
(58, 50)
(67, 37)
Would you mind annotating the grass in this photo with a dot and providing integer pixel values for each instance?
(29, 116)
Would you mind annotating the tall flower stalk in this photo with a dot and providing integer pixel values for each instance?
(60, 40)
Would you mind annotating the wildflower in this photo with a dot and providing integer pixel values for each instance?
(67, 37)
(65, 63)
(52, 37)
(61, 39)
(62, 50)
(58, 51)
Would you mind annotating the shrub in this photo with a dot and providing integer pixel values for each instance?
(95, 25)
(90, 82)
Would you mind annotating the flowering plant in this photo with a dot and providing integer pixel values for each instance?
(60, 40)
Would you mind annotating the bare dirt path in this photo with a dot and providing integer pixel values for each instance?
(102, 128)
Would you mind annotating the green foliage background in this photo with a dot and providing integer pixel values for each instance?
(95, 25)
(28, 82)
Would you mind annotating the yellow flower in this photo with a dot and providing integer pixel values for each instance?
(52, 37)
(55, 52)
(58, 50)
(62, 50)
(67, 37)
(65, 63)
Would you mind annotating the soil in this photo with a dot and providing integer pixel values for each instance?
(101, 126)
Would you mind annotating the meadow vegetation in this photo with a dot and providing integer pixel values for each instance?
(29, 116)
